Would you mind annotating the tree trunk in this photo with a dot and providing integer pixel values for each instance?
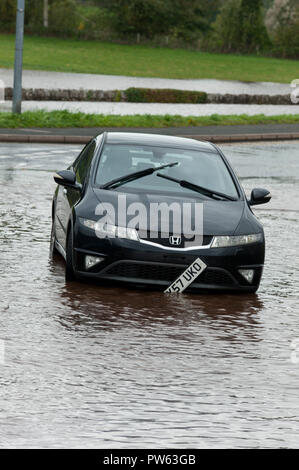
(46, 11)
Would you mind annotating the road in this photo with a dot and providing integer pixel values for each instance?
(54, 80)
(155, 108)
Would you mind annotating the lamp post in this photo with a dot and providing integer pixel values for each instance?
(17, 85)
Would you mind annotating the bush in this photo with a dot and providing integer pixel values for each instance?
(254, 36)
(34, 14)
(226, 30)
(62, 17)
(184, 19)
(154, 95)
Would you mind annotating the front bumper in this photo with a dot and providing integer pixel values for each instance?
(139, 264)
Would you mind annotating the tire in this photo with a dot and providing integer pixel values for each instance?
(69, 270)
(53, 250)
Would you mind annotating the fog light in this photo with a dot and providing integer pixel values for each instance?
(91, 261)
(247, 274)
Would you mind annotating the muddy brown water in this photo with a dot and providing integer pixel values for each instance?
(89, 366)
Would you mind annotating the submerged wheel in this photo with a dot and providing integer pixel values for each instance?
(53, 249)
(69, 270)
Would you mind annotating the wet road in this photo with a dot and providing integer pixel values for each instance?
(172, 109)
(87, 366)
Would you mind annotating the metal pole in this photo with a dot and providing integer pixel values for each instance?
(17, 86)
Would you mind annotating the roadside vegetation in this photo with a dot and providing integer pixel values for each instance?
(65, 119)
(71, 55)
(260, 27)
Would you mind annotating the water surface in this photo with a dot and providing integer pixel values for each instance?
(92, 366)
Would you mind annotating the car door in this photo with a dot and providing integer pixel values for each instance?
(68, 197)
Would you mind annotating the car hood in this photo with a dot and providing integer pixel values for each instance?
(219, 217)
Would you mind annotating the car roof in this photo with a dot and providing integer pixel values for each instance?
(158, 140)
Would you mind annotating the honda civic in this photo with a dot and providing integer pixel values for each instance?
(157, 210)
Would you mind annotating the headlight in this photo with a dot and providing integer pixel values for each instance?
(235, 240)
(110, 231)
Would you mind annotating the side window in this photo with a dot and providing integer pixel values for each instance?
(82, 165)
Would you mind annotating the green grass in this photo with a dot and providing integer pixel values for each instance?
(65, 119)
(65, 55)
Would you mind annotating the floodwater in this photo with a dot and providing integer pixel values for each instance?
(89, 366)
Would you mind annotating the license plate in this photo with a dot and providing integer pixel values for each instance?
(187, 277)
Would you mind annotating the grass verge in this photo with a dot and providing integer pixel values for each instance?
(65, 119)
(66, 55)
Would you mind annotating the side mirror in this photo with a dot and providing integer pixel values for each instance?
(67, 178)
(259, 196)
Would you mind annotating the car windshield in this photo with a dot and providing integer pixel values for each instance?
(201, 168)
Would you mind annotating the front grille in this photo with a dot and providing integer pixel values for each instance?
(159, 272)
(164, 239)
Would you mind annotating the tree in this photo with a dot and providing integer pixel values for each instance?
(34, 13)
(281, 13)
(254, 35)
(187, 18)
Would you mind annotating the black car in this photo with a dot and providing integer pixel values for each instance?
(92, 225)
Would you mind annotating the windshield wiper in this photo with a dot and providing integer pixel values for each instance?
(199, 189)
(134, 176)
